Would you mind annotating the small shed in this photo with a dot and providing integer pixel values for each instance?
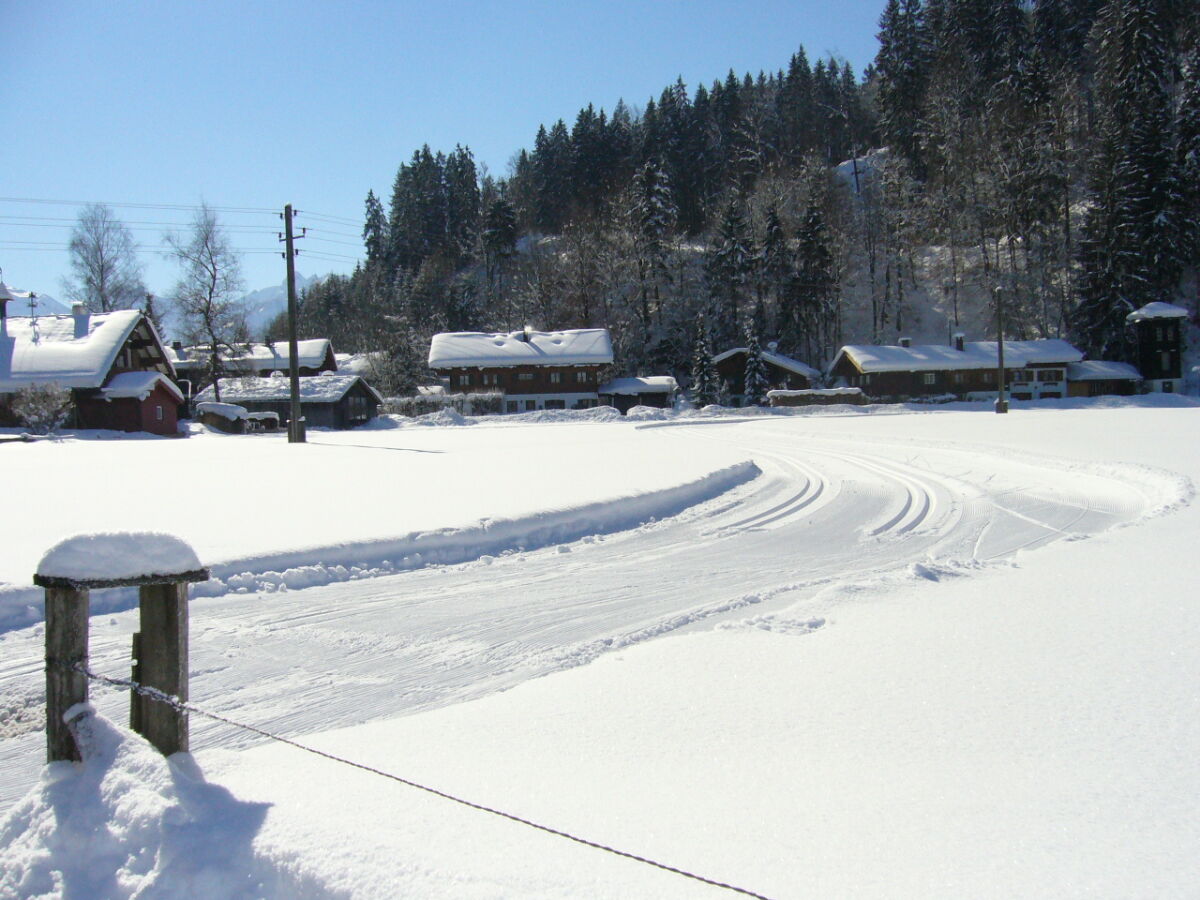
(818, 397)
(337, 402)
(133, 401)
(1097, 378)
(658, 391)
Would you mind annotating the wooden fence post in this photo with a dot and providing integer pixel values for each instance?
(163, 664)
(161, 649)
(66, 649)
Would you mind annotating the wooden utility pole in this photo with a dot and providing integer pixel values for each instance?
(1001, 399)
(295, 422)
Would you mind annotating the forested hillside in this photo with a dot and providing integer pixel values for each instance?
(1043, 157)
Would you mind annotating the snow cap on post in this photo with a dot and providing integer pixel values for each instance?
(119, 559)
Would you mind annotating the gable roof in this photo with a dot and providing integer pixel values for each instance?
(313, 389)
(1102, 370)
(1157, 310)
(775, 359)
(45, 349)
(138, 386)
(974, 355)
(310, 354)
(579, 347)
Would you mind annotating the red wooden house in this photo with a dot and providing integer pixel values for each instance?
(114, 365)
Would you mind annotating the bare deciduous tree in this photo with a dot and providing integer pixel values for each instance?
(107, 274)
(207, 294)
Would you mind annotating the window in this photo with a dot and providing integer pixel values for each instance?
(556, 404)
(1166, 360)
(464, 380)
(491, 378)
(524, 376)
(158, 413)
(958, 378)
(530, 405)
(556, 377)
(930, 378)
(581, 376)
(1168, 387)
(510, 406)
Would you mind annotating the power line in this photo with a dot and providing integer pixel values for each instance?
(184, 706)
(187, 207)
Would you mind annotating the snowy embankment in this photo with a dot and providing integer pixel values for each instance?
(264, 515)
(958, 657)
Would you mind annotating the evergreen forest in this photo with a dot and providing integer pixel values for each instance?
(1035, 162)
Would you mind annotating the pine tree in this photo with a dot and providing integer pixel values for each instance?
(653, 222)
(375, 230)
(1133, 246)
(729, 268)
(900, 65)
(705, 388)
(756, 384)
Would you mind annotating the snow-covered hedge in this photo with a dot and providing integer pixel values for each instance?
(489, 404)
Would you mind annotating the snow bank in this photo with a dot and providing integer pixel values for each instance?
(128, 823)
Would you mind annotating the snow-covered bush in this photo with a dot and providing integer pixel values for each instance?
(41, 408)
(488, 404)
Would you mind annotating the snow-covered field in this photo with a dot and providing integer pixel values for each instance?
(936, 654)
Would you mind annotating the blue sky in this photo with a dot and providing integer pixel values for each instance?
(251, 105)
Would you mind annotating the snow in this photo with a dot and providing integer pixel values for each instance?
(818, 392)
(313, 389)
(1100, 370)
(584, 346)
(1157, 310)
(974, 355)
(139, 385)
(935, 653)
(46, 350)
(776, 359)
(311, 354)
(115, 556)
(230, 411)
(646, 384)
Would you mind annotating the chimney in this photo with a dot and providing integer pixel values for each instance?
(905, 342)
(526, 333)
(177, 346)
(82, 319)
(959, 342)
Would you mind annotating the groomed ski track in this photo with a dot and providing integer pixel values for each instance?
(825, 512)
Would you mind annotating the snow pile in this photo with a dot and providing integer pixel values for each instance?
(128, 823)
(120, 555)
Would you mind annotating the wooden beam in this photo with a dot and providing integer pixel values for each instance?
(66, 648)
(163, 664)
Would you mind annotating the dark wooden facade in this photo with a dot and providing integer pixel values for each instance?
(158, 413)
(527, 379)
(1159, 350)
(732, 371)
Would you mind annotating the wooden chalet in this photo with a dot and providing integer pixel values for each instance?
(114, 365)
(531, 369)
(968, 370)
(1158, 329)
(1100, 378)
(313, 357)
(657, 391)
(337, 402)
(783, 372)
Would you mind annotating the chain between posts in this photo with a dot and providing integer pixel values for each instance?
(184, 706)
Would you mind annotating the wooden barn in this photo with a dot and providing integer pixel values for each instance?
(783, 372)
(531, 369)
(337, 402)
(114, 365)
(1097, 378)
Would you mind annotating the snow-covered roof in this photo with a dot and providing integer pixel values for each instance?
(310, 354)
(1157, 310)
(1102, 370)
(138, 385)
(974, 355)
(647, 384)
(230, 411)
(579, 347)
(775, 359)
(45, 349)
(313, 389)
